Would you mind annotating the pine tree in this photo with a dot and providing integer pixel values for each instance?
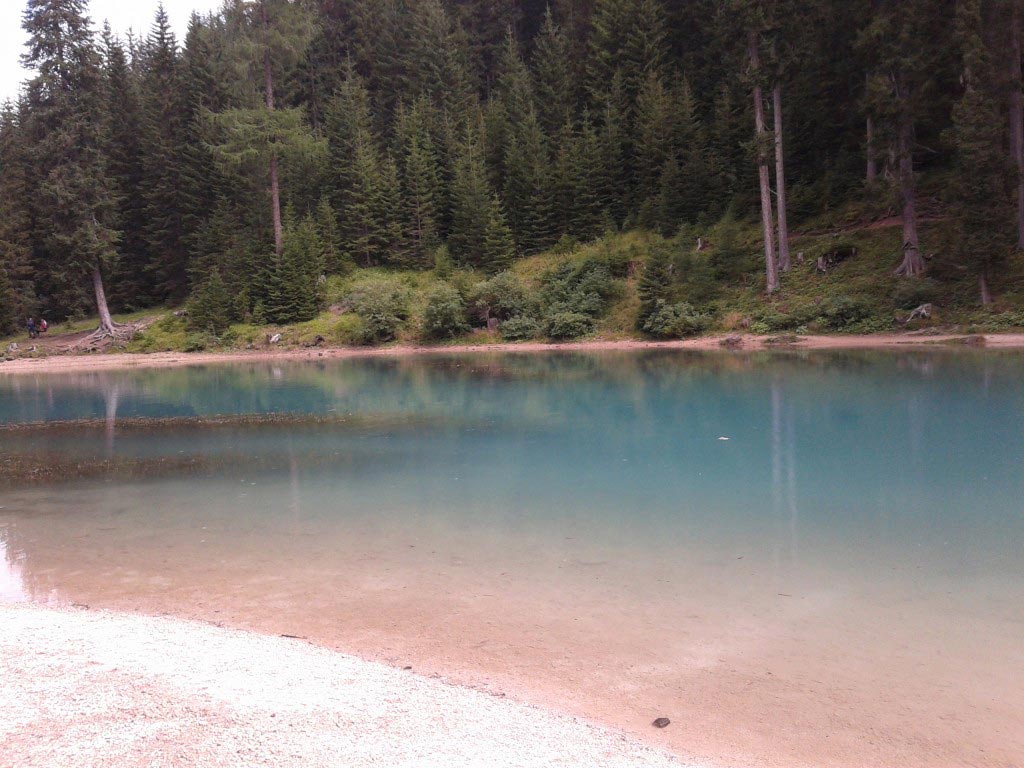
(333, 255)
(982, 181)
(270, 34)
(438, 58)
(906, 42)
(628, 37)
(700, 186)
(131, 288)
(348, 122)
(589, 216)
(7, 300)
(528, 189)
(654, 284)
(419, 183)
(615, 179)
(17, 287)
(609, 26)
(364, 230)
(290, 282)
(209, 308)
(162, 148)
(498, 248)
(74, 201)
(473, 208)
(555, 79)
(655, 142)
(201, 181)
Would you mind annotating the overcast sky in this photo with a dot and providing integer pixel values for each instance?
(122, 15)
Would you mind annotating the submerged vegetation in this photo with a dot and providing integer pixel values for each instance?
(359, 173)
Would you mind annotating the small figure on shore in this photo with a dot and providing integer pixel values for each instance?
(43, 325)
(32, 332)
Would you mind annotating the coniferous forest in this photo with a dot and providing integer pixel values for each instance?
(706, 146)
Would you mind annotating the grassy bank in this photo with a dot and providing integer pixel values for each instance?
(596, 291)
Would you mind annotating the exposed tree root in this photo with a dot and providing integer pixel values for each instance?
(113, 333)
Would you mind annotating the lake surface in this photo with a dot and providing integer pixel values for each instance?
(840, 581)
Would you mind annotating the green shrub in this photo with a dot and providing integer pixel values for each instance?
(382, 305)
(520, 328)
(566, 244)
(198, 342)
(569, 325)
(912, 292)
(445, 314)
(503, 297)
(841, 312)
(774, 320)
(165, 335)
(349, 329)
(668, 321)
(209, 308)
(443, 264)
(577, 290)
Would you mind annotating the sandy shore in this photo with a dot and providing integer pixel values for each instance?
(103, 689)
(58, 363)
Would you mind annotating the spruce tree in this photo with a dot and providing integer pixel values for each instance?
(419, 184)
(438, 58)
(528, 186)
(654, 285)
(474, 219)
(333, 256)
(162, 147)
(74, 199)
(982, 180)
(614, 145)
(202, 182)
(18, 290)
(498, 248)
(589, 215)
(654, 143)
(554, 76)
(7, 300)
(131, 285)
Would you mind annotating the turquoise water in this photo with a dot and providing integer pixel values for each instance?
(884, 490)
(925, 448)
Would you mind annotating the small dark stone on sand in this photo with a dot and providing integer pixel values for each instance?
(661, 722)
(406, 667)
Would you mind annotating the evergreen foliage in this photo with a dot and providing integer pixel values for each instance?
(445, 313)
(487, 131)
(209, 308)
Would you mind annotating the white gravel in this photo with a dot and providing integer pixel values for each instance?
(89, 689)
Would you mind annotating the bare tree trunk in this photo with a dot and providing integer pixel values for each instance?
(1017, 117)
(986, 294)
(106, 321)
(275, 204)
(872, 170)
(275, 187)
(780, 180)
(771, 267)
(913, 263)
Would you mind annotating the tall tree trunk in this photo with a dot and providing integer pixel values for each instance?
(986, 294)
(780, 180)
(872, 169)
(771, 267)
(275, 187)
(106, 321)
(913, 263)
(1017, 116)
